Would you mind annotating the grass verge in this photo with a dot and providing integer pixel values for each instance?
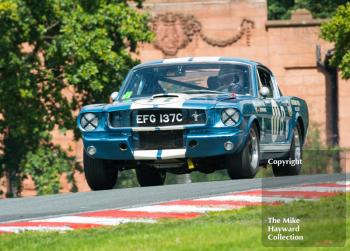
(324, 220)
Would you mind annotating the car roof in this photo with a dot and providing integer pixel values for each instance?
(197, 60)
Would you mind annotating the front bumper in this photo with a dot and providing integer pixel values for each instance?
(209, 143)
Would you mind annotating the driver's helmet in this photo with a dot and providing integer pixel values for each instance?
(231, 80)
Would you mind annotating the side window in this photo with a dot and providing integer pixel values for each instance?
(281, 94)
(278, 89)
(265, 80)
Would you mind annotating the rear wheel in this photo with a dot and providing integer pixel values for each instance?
(246, 163)
(293, 167)
(149, 176)
(99, 174)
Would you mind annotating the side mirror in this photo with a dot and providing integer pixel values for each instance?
(264, 91)
(113, 96)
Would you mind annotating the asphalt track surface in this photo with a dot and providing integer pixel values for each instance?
(62, 204)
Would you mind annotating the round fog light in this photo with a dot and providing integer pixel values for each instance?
(123, 147)
(91, 150)
(193, 143)
(228, 145)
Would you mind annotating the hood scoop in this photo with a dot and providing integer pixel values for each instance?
(231, 95)
(165, 95)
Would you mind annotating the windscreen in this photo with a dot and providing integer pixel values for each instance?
(187, 79)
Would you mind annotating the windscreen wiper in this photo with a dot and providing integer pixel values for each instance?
(204, 91)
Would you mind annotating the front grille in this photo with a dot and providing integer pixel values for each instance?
(158, 140)
(119, 119)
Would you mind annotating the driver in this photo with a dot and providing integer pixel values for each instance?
(149, 85)
(231, 80)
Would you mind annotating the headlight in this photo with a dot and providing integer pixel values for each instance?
(89, 121)
(230, 117)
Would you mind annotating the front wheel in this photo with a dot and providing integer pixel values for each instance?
(246, 163)
(99, 174)
(149, 176)
(293, 166)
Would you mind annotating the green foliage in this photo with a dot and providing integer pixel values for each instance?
(45, 166)
(217, 175)
(320, 8)
(317, 156)
(282, 9)
(337, 30)
(278, 9)
(55, 56)
(127, 178)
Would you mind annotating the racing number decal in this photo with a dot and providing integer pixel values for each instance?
(277, 120)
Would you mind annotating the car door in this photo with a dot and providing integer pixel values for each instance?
(273, 121)
(285, 113)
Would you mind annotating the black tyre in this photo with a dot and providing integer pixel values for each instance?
(99, 174)
(245, 164)
(148, 176)
(296, 150)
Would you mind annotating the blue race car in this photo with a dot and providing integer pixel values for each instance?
(193, 114)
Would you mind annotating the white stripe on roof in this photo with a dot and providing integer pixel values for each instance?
(206, 59)
(176, 60)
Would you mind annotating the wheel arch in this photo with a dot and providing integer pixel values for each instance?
(254, 121)
(302, 127)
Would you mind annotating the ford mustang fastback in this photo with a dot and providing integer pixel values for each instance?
(193, 114)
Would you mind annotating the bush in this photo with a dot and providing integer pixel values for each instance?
(46, 165)
(319, 157)
(127, 178)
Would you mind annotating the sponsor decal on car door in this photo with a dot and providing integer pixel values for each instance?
(278, 122)
(275, 126)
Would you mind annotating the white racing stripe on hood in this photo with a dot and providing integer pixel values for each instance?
(176, 100)
(160, 102)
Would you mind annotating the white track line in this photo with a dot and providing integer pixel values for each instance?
(177, 209)
(235, 197)
(95, 220)
(313, 189)
(19, 229)
(347, 183)
(249, 198)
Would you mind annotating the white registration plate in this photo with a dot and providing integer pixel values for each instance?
(159, 118)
